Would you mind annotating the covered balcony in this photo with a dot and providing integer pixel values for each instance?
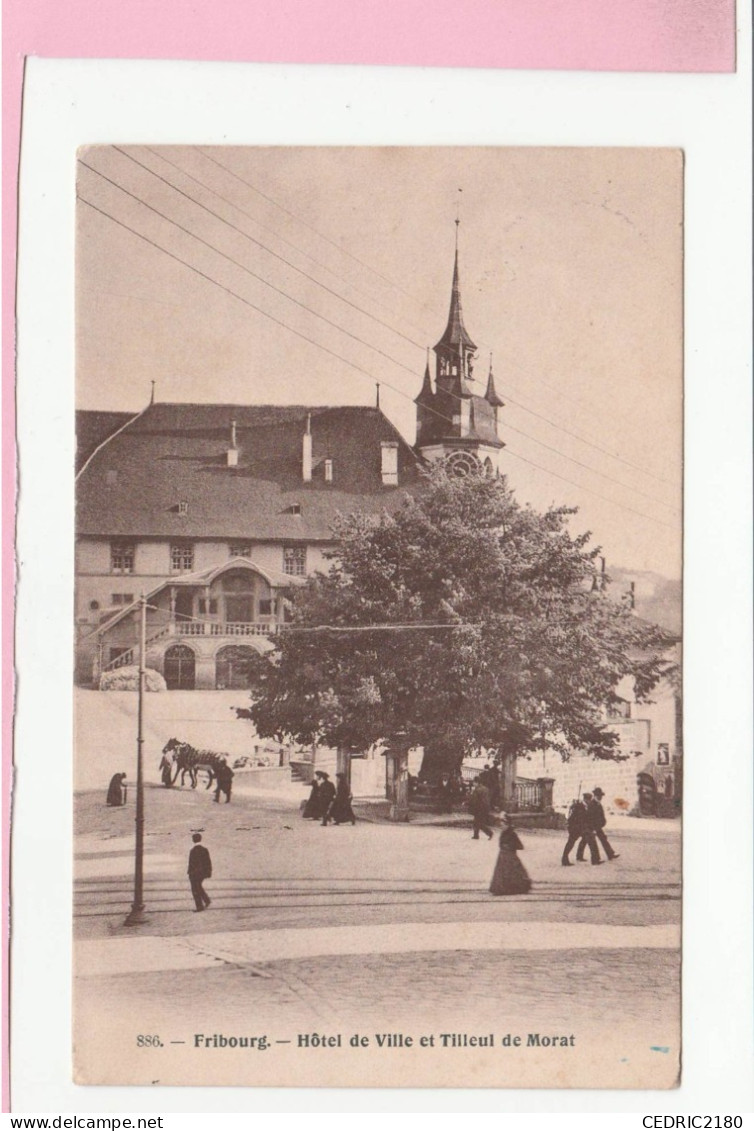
(201, 627)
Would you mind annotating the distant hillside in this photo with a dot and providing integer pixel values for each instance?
(658, 598)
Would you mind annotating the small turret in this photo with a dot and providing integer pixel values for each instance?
(491, 394)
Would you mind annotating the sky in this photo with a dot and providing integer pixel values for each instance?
(307, 275)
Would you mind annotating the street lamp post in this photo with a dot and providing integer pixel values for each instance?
(136, 914)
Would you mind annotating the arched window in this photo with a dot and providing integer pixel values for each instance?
(232, 667)
(180, 668)
(241, 589)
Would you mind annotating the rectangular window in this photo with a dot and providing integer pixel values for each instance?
(122, 555)
(181, 557)
(239, 550)
(265, 607)
(294, 560)
(121, 598)
(619, 709)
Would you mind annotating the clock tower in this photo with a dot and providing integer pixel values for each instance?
(454, 423)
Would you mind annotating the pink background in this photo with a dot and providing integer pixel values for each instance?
(628, 35)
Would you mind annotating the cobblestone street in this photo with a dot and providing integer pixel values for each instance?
(366, 928)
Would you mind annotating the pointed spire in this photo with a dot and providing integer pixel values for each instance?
(456, 333)
(426, 396)
(491, 394)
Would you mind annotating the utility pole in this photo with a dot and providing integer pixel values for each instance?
(136, 914)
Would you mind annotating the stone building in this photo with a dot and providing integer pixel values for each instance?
(215, 512)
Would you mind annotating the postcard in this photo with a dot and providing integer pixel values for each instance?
(378, 627)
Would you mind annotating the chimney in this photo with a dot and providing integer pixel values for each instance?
(307, 451)
(389, 468)
(233, 450)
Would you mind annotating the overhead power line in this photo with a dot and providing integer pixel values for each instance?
(330, 322)
(298, 219)
(386, 626)
(298, 249)
(412, 341)
(237, 263)
(420, 306)
(580, 438)
(275, 254)
(333, 353)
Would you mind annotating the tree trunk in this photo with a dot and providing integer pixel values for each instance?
(397, 784)
(508, 782)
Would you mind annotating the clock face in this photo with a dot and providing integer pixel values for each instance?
(463, 464)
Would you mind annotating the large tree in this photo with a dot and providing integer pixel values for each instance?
(463, 621)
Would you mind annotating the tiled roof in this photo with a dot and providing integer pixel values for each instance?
(94, 427)
(177, 453)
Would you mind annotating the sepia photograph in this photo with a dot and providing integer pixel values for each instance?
(378, 617)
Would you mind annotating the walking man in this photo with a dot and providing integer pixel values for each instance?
(326, 795)
(224, 779)
(597, 822)
(580, 829)
(199, 870)
(479, 806)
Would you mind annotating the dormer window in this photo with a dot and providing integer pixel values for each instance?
(294, 508)
(328, 471)
(183, 508)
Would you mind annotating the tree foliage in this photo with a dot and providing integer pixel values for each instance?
(491, 632)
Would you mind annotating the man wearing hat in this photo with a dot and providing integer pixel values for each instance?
(579, 826)
(326, 794)
(597, 821)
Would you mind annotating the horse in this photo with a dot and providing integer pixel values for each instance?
(181, 758)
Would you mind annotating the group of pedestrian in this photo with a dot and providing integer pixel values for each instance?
(329, 802)
(586, 824)
(510, 877)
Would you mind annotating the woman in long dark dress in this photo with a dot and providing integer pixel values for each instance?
(510, 877)
(312, 810)
(340, 810)
(116, 791)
